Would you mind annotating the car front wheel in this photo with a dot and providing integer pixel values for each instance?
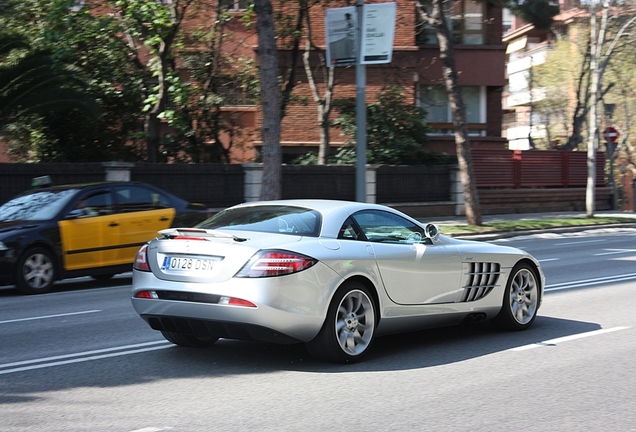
(349, 328)
(521, 299)
(35, 271)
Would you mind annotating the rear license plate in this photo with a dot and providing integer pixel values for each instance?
(186, 264)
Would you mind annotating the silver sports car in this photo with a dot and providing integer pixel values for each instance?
(329, 274)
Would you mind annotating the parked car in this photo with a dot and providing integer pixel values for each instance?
(330, 274)
(55, 232)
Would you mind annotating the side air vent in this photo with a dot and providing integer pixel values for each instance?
(480, 279)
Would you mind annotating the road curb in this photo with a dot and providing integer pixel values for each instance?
(495, 235)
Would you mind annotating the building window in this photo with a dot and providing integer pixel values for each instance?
(234, 94)
(236, 5)
(465, 20)
(434, 99)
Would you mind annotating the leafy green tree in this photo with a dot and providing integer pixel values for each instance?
(36, 84)
(396, 132)
(216, 78)
(155, 26)
(92, 44)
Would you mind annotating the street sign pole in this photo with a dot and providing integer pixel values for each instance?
(361, 111)
(374, 34)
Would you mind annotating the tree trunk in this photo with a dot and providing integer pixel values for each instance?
(324, 104)
(462, 143)
(595, 46)
(152, 122)
(270, 98)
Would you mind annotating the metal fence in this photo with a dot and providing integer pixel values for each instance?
(220, 185)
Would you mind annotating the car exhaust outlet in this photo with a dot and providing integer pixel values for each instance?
(474, 317)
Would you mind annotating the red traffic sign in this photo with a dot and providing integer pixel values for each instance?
(611, 134)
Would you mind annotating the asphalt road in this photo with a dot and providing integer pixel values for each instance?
(80, 359)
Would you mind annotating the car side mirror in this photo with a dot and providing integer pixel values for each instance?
(431, 231)
(75, 214)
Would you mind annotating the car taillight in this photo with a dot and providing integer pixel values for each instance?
(275, 263)
(141, 259)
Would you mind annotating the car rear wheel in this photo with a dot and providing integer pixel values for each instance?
(188, 340)
(348, 331)
(36, 271)
(521, 299)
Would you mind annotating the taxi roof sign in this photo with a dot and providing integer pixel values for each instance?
(42, 181)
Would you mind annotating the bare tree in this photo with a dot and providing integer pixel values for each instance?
(434, 16)
(601, 51)
(324, 103)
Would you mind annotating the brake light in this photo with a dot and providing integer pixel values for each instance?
(141, 259)
(146, 295)
(232, 301)
(275, 263)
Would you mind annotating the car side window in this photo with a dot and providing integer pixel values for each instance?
(350, 231)
(385, 227)
(98, 203)
(138, 198)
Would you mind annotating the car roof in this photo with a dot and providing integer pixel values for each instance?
(323, 206)
(334, 211)
(83, 185)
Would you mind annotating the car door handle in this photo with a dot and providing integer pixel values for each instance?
(163, 219)
(113, 224)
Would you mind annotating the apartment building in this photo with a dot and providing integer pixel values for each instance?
(480, 56)
(480, 59)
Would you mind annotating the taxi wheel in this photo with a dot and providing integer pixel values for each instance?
(35, 271)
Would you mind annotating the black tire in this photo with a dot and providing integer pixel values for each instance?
(521, 299)
(36, 271)
(103, 277)
(188, 340)
(349, 327)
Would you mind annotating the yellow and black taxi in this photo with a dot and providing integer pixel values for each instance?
(55, 232)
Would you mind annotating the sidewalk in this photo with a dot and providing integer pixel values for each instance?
(461, 220)
(496, 234)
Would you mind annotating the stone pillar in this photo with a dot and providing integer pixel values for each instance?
(457, 192)
(253, 181)
(118, 171)
(371, 181)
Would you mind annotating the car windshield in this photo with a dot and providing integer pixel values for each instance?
(270, 219)
(39, 205)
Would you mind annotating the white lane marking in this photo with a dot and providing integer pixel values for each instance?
(152, 429)
(79, 354)
(49, 316)
(587, 282)
(578, 242)
(549, 259)
(552, 342)
(616, 251)
(89, 354)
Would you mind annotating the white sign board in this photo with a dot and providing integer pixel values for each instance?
(378, 29)
(378, 25)
(340, 32)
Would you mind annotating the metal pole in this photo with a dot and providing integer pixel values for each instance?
(361, 111)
